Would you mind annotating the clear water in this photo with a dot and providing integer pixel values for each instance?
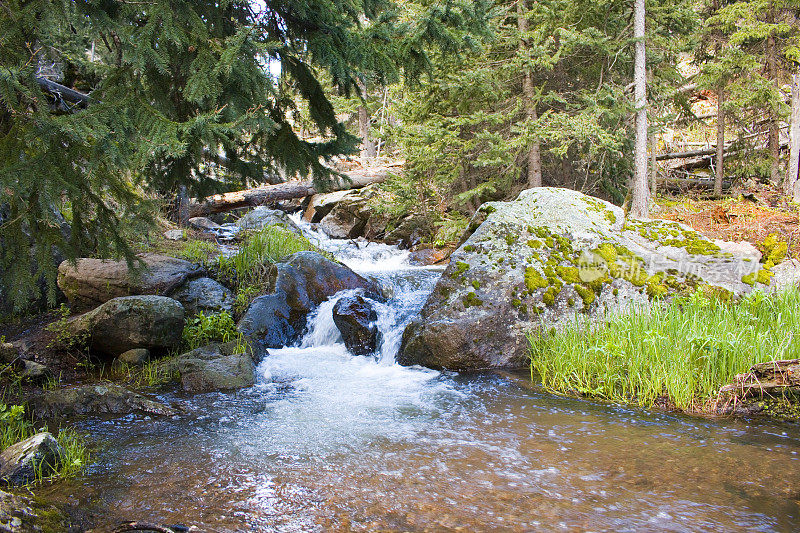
(331, 442)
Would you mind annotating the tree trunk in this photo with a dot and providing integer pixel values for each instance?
(653, 166)
(282, 191)
(719, 173)
(792, 183)
(640, 191)
(534, 156)
(183, 206)
(368, 148)
(772, 67)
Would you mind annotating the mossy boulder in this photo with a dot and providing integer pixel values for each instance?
(551, 253)
(216, 367)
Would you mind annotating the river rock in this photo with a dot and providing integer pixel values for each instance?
(786, 275)
(34, 372)
(203, 224)
(216, 367)
(261, 217)
(410, 231)
(550, 253)
(122, 324)
(21, 514)
(135, 357)
(174, 235)
(19, 462)
(320, 205)
(105, 398)
(91, 282)
(428, 256)
(204, 295)
(355, 317)
(302, 283)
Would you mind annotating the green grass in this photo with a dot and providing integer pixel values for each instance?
(197, 251)
(684, 350)
(14, 427)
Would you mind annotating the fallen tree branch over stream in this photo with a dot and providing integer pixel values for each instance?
(267, 194)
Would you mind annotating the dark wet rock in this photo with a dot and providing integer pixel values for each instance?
(203, 224)
(216, 367)
(99, 399)
(34, 372)
(8, 352)
(135, 357)
(204, 295)
(410, 231)
(268, 322)
(355, 317)
(261, 217)
(428, 256)
(21, 514)
(551, 253)
(20, 462)
(302, 283)
(122, 324)
(91, 282)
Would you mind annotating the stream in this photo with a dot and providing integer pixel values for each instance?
(327, 441)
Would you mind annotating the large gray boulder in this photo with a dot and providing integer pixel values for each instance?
(356, 318)
(216, 367)
(90, 282)
(261, 217)
(553, 252)
(302, 283)
(204, 295)
(104, 398)
(20, 462)
(151, 322)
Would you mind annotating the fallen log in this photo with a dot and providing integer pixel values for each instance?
(766, 378)
(268, 194)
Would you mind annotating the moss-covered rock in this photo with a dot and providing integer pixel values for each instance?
(554, 252)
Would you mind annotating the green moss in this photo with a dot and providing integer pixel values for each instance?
(666, 233)
(550, 242)
(781, 408)
(534, 280)
(476, 284)
(569, 274)
(549, 296)
(655, 287)
(510, 239)
(535, 243)
(461, 267)
(488, 209)
(607, 251)
(571, 302)
(764, 276)
(587, 295)
(516, 302)
(597, 206)
(749, 279)
(469, 248)
(471, 299)
(615, 292)
(773, 250)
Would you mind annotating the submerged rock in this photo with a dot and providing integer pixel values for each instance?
(106, 398)
(261, 217)
(355, 317)
(122, 324)
(20, 462)
(216, 367)
(21, 514)
(302, 283)
(204, 295)
(91, 282)
(550, 253)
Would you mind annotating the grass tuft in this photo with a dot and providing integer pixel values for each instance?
(683, 351)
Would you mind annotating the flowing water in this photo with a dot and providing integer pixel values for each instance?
(329, 441)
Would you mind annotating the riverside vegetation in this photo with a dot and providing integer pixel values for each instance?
(678, 353)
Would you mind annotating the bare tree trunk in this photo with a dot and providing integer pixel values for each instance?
(640, 191)
(653, 166)
(774, 129)
(183, 206)
(719, 174)
(792, 183)
(368, 147)
(534, 156)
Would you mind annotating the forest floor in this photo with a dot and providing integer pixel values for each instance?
(751, 216)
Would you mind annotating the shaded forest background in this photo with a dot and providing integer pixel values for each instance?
(157, 101)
